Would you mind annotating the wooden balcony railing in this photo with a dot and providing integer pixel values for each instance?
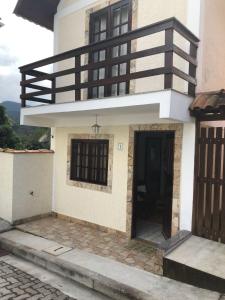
(168, 70)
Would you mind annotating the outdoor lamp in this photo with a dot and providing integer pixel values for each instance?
(96, 127)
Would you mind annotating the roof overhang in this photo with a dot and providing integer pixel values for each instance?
(209, 106)
(131, 109)
(40, 12)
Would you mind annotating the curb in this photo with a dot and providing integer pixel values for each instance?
(102, 284)
(10, 227)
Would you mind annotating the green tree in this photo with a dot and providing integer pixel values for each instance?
(39, 139)
(8, 138)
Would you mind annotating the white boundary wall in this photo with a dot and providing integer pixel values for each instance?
(25, 184)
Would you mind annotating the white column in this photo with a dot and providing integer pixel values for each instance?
(187, 176)
(53, 147)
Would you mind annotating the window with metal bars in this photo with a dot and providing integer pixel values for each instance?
(89, 161)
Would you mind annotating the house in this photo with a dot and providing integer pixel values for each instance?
(117, 94)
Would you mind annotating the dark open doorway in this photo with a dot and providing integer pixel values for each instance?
(153, 185)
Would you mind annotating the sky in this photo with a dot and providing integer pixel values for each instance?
(21, 42)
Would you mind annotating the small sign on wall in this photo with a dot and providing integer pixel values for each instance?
(120, 146)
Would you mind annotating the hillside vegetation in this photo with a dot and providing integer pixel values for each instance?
(27, 137)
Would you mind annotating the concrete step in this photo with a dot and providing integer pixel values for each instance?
(103, 275)
(199, 262)
(4, 226)
(175, 241)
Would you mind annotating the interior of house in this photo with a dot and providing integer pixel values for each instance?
(153, 185)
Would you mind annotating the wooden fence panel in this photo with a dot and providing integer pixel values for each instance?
(209, 202)
(222, 213)
(201, 185)
(217, 186)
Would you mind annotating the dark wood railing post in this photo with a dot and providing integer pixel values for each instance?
(53, 88)
(168, 78)
(192, 69)
(77, 78)
(23, 91)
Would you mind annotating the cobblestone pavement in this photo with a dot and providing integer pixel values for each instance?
(18, 285)
(134, 253)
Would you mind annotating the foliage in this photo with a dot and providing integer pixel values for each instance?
(33, 138)
(8, 137)
(15, 136)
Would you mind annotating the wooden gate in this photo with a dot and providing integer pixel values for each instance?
(209, 195)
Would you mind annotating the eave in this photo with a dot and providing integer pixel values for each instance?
(209, 106)
(40, 12)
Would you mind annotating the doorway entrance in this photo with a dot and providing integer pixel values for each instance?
(153, 185)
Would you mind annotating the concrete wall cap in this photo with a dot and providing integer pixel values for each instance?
(13, 151)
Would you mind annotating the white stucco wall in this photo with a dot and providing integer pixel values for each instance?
(70, 19)
(110, 209)
(21, 174)
(6, 186)
(70, 32)
(211, 61)
(205, 18)
(98, 207)
(32, 173)
(103, 208)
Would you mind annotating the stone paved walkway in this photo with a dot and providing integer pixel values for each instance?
(134, 253)
(18, 285)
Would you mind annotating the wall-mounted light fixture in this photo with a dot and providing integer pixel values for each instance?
(96, 127)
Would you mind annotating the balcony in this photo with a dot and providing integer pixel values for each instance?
(78, 62)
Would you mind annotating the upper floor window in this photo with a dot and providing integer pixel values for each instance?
(89, 161)
(112, 21)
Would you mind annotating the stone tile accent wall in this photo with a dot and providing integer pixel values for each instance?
(96, 187)
(178, 129)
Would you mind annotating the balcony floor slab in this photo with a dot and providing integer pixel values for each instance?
(124, 110)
